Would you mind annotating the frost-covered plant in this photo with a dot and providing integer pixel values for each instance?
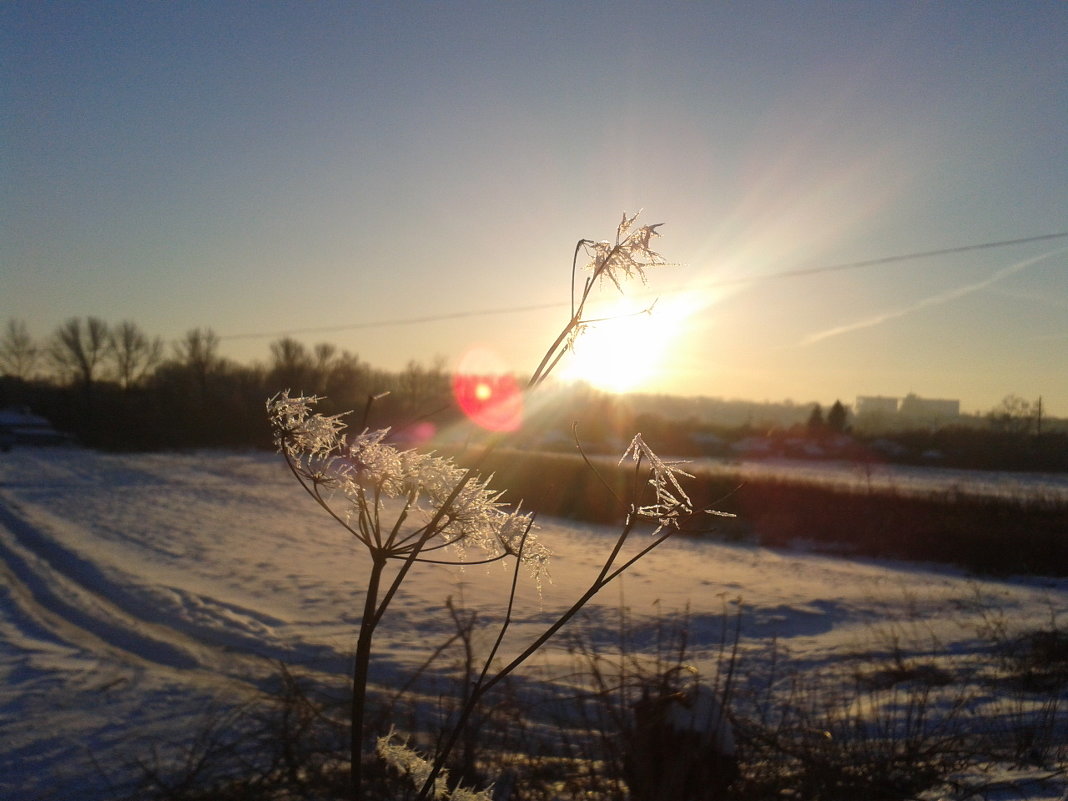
(630, 255)
(401, 505)
(407, 762)
(411, 507)
(671, 504)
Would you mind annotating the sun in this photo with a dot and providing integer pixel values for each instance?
(626, 348)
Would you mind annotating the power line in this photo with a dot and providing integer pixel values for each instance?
(853, 265)
(429, 318)
(793, 273)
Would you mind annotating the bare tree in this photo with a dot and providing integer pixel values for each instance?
(424, 388)
(199, 353)
(133, 353)
(1014, 414)
(291, 365)
(78, 348)
(18, 352)
(325, 355)
(346, 377)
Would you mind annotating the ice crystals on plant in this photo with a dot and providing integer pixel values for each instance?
(400, 756)
(630, 254)
(434, 503)
(672, 502)
(297, 430)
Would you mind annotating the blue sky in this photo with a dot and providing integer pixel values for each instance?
(262, 169)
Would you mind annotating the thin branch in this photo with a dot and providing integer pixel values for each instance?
(590, 465)
(604, 578)
(314, 494)
(401, 517)
(574, 265)
(476, 692)
(511, 604)
(431, 528)
(541, 372)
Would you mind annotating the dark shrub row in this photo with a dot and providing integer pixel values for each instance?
(992, 535)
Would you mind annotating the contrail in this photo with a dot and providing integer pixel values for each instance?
(933, 300)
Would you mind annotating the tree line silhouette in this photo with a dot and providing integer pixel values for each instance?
(114, 386)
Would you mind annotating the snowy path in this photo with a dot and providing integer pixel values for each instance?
(138, 590)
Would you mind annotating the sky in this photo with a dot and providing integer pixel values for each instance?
(408, 181)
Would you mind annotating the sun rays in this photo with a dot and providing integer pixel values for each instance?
(629, 345)
(929, 301)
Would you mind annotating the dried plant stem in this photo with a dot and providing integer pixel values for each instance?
(365, 471)
(361, 666)
(609, 571)
(557, 350)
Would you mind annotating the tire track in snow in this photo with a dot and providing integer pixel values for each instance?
(69, 609)
(165, 625)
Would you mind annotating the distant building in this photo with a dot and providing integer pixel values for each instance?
(876, 404)
(878, 411)
(915, 407)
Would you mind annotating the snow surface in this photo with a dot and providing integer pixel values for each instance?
(902, 479)
(140, 590)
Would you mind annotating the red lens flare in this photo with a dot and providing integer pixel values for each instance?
(488, 397)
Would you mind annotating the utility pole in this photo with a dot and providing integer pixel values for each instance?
(1038, 418)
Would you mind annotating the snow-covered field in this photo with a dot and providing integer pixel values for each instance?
(139, 590)
(902, 479)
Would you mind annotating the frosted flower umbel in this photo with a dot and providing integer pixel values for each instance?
(631, 254)
(671, 504)
(401, 504)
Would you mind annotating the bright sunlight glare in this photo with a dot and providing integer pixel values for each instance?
(625, 348)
